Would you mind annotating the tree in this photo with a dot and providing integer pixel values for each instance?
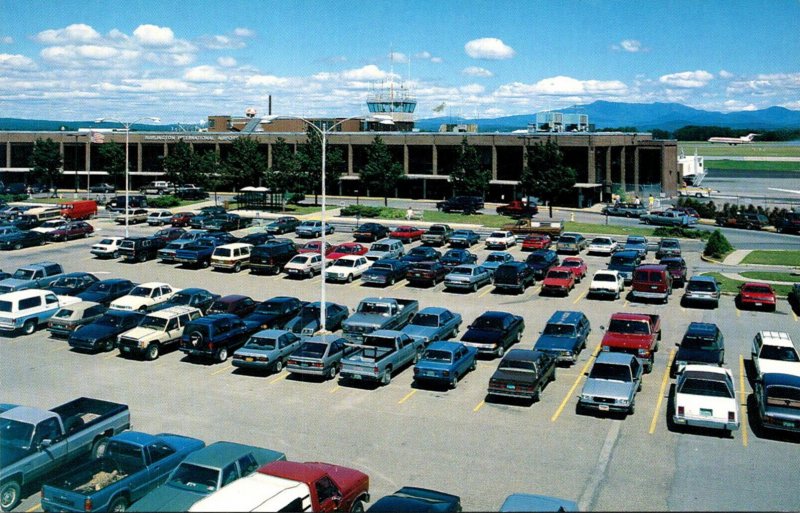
(178, 165)
(546, 176)
(660, 134)
(309, 155)
(245, 165)
(112, 156)
(468, 176)
(46, 162)
(207, 168)
(717, 245)
(381, 174)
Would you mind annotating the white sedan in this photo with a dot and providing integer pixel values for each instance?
(607, 283)
(347, 268)
(107, 247)
(144, 297)
(501, 239)
(602, 246)
(705, 397)
(304, 265)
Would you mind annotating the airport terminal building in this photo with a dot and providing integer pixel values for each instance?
(604, 161)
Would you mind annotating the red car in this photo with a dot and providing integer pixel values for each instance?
(578, 267)
(532, 242)
(181, 219)
(72, 230)
(756, 295)
(344, 249)
(559, 280)
(406, 233)
(314, 247)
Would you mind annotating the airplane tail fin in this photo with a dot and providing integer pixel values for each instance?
(750, 137)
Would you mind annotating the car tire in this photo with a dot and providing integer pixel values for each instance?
(29, 326)
(115, 254)
(331, 372)
(222, 354)
(474, 287)
(391, 282)
(204, 264)
(387, 377)
(152, 351)
(237, 267)
(108, 346)
(357, 507)
(99, 447)
(278, 365)
(632, 409)
(18, 245)
(453, 382)
(10, 493)
(349, 278)
(501, 351)
(118, 504)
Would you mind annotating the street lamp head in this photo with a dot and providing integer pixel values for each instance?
(154, 119)
(99, 120)
(269, 119)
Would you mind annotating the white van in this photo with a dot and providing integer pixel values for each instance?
(231, 256)
(28, 309)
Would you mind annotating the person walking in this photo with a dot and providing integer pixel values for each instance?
(409, 213)
(637, 201)
(650, 202)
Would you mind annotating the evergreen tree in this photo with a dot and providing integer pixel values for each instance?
(112, 157)
(46, 162)
(309, 155)
(381, 174)
(468, 176)
(546, 176)
(245, 165)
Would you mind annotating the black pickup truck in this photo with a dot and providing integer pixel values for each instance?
(523, 373)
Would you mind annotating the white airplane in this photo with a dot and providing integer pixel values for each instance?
(790, 191)
(733, 140)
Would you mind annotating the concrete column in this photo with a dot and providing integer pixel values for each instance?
(636, 170)
(524, 158)
(87, 148)
(8, 153)
(269, 155)
(139, 153)
(590, 165)
(494, 162)
(350, 159)
(621, 165)
(607, 170)
(434, 165)
(405, 158)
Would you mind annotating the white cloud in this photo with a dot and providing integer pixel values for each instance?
(437, 60)
(687, 79)
(629, 45)
(146, 86)
(7, 40)
(75, 33)
(472, 89)
(736, 105)
(204, 74)
(488, 48)
(170, 59)
(92, 55)
(423, 55)
(476, 71)
(266, 81)
(153, 35)
(398, 57)
(220, 42)
(725, 74)
(243, 32)
(368, 72)
(226, 62)
(9, 61)
(561, 85)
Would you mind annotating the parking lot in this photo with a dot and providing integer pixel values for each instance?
(450, 440)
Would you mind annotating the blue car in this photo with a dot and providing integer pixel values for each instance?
(496, 259)
(564, 336)
(464, 239)
(101, 335)
(532, 502)
(411, 498)
(636, 243)
(445, 362)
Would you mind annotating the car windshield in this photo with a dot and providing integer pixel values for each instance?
(110, 320)
(461, 233)
(611, 372)
(155, 323)
(300, 259)
(127, 244)
(312, 350)
(454, 255)
(488, 323)
(498, 235)
(517, 365)
(601, 242)
(673, 264)
(423, 319)
(195, 477)
(784, 354)
(180, 299)
(268, 307)
(380, 247)
(374, 308)
(571, 263)
(347, 249)
(604, 277)
(100, 287)
(700, 343)
(200, 244)
(23, 274)
(623, 261)
(757, 289)
(566, 240)
(437, 355)
(635, 240)
(15, 434)
(420, 251)
(536, 259)
(669, 244)
(462, 270)
(141, 292)
(424, 266)
(559, 275)
(629, 326)
(107, 242)
(496, 258)
(69, 283)
(63, 313)
(261, 343)
(701, 286)
(381, 267)
(707, 387)
(345, 263)
(559, 330)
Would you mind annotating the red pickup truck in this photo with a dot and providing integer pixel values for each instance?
(517, 209)
(634, 333)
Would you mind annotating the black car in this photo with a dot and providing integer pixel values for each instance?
(422, 254)
(198, 298)
(702, 343)
(23, 221)
(235, 304)
(226, 222)
(411, 498)
(794, 297)
(285, 224)
(205, 213)
(494, 332)
(426, 273)
(18, 239)
(72, 284)
(513, 276)
(541, 260)
(456, 257)
(141, 249)
(274, 313)
(103, 188)
(221, 237)
(465, 204)
(272, 256)
(370, 232)
(386, 271)
(191, 193)
(117, 204)
(257, 239)
(101, 335)
(106, 291)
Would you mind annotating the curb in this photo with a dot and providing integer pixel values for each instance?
(709, 260)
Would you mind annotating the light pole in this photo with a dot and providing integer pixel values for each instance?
(127, 171)
(323, 132)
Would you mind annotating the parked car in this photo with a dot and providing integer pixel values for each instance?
(132, 216)
(702, 344)
(191, 192)
(307, 321)
(518, 208)
(578, 267)
(108, 247)
(774, 351)
(257, 238)
(564, 336)
(536, 241)
(304, 266)
(668, 248)
(500, 239)
(464, 204)
(411, 498)
(103, 188)
(756, 295)
(168, 253)
(456, 257)
(215, 336)
(612, 384)
(602, 246)
(159, 217)
(702, 289)
(347, 248)
(379, 356)
(606, 283)
(625, 262)
(272, 256)
(668, 218)
(192, 296)
(494, 332)
(705, 397)
(347, 268)
(315, 246)
(652, 282)
(140, 249)
(233, 257)
(283, 224)
(445, 362)
(144, 297)
(102, 334)
(464, 239)
(495, 259)
(433, 323)
(793, 297)
(18, 239)
(68, 318)
(181, 219)
(514, 276)
(778, 407)
(406, 234)
(319, 356)
(70, 230)
(421, 254)
(25, 310)
(636, 243)
(571, 242)
(236, 304)
(625, 210)
(72, 284)
(170, 234)
(386, 272)
(157, 331)
(313, 229)
(266, 350)
(558, 280)
(470, 277)
(540, 261)
(437, 235)
(198, 253)
(676, 266)
(429, 273)
(106, 291)
(32, 276)
(275, 312)
(197, 221)
(385, 248)
(50, 225)
(746, 220)
(370, 232)
(522, 374)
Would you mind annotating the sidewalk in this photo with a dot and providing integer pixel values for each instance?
(739, 277)
(736, 257)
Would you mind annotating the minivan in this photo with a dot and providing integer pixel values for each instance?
(231, 256)
(652, 281)
(272, 256)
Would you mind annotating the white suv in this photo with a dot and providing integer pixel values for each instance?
(157, 330)
(232, 256)
(774, 352)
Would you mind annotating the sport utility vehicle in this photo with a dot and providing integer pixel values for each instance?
(140, 249)
(33, 276)
(514, 275)
(272, 256)
(156, 330)
(215, 336)
(702, 343)
(465, 204)
(774, 352)
(231, 256)
(746, 220)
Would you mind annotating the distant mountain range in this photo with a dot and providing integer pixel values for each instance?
(602, 114)
(643, 116)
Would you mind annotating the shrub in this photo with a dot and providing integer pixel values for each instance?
(706, 209)
(717, 245)
(680, 231)
(360, 211)
(13, 197)
(295, 197)
(163, 202)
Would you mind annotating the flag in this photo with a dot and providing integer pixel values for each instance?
(439, 108)
(98, 138)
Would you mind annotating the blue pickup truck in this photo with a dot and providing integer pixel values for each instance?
(133, 464)
(198, 253)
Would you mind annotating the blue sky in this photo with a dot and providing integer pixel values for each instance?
(185, 60)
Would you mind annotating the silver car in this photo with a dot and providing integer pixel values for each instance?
(68, 318)
(612, 383)
(319, 356)
(469, 276)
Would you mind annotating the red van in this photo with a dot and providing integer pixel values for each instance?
(652, 281)
(79, 209)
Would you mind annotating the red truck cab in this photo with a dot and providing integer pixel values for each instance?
(333, 487)
(634, 333)
(517, 208)
(78, 209)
